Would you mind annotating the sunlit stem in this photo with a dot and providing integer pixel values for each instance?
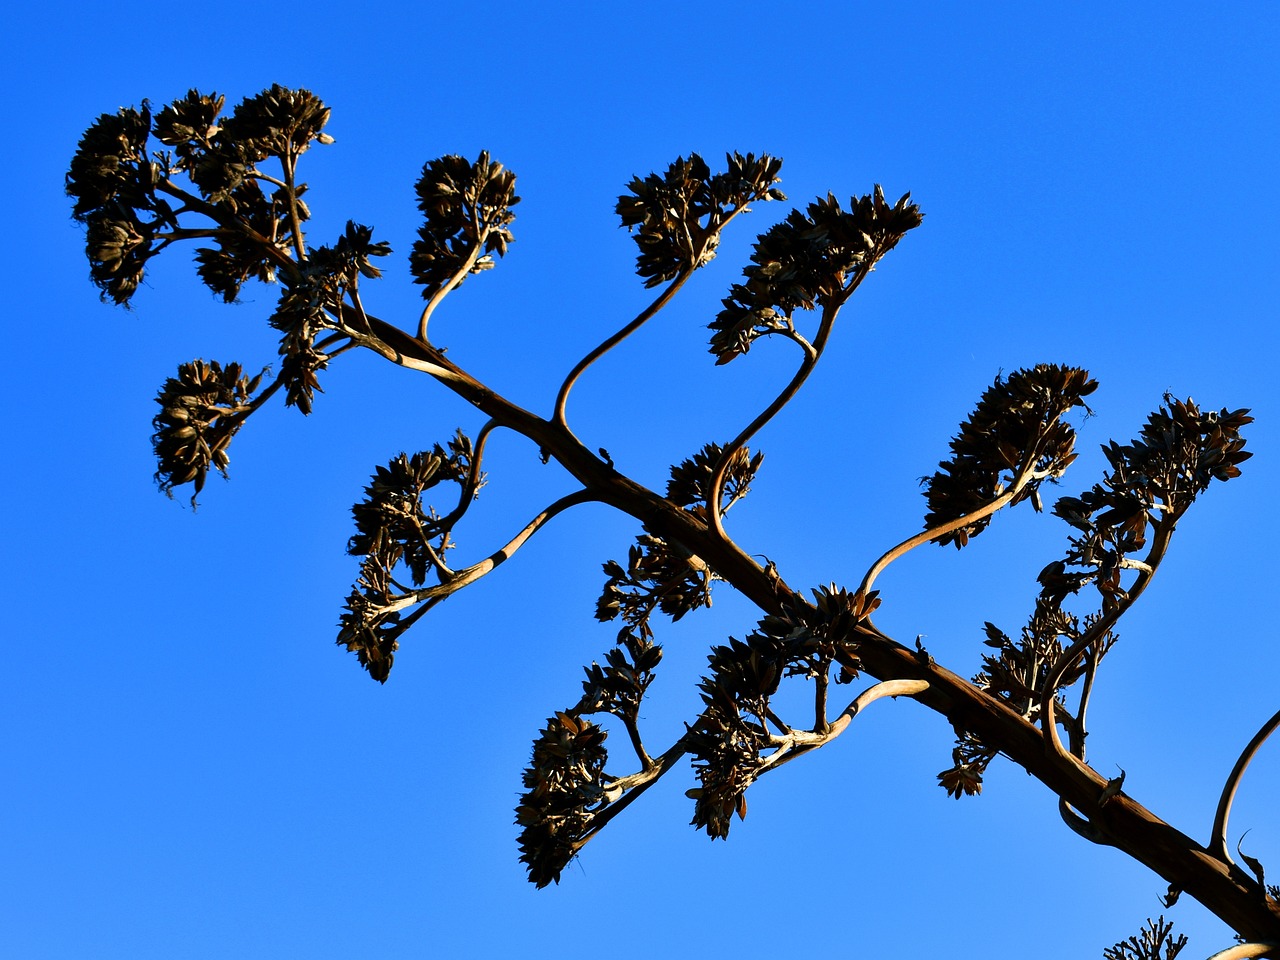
(476, 571)
(1248, 951)
(477, 249)
(800, 742)
(1094, 635)
(629, 789)
(633, 731)
(643, 317)
(1026, 474)
(813, 353)
(1218, 842)
(288, 162)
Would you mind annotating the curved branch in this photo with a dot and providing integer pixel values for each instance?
(1026, 474)
(699, 252)
(799, 742)
(1081, 826)
(813, 353)
(627, 789)
(933, 533)
(476, 571)
(452, 283)
(1247, 951)
(1218, 840)
(643, 317)
(1159, 546)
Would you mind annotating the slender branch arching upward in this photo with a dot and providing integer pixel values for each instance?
(643, 317)
(1218, 841)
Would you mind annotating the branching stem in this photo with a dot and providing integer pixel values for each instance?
(1159, 546)
(471, 574)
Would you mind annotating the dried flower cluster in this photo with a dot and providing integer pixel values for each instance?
(1154, 942)
(1016, 427)
(468, 217)
(200, 411)
(808, 260)
(396, 528)
(565, 781)
(677, 217)
(1152, 481)
(230, 185)
(730, 737)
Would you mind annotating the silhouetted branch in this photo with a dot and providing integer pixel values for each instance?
(643, 317)
(1218, 839)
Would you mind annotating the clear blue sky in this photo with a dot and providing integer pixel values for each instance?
(192, 769)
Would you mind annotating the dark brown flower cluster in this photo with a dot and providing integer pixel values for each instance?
(1154, 942)
(113, 181)
(200, 410)
(619, 686)
(565, 783)
(1153, 479)
(658, 576)
(676, 217)
(219, 153)
(396, 528)
(1017, 673)
(1016, 427)
(805, 261)
(120, 190)
(310, 303)
(468, 212)
(727, 741)
(690, 483)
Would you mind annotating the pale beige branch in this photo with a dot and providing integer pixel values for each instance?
(1247, 951)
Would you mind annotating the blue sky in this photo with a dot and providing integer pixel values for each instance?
(193, 769)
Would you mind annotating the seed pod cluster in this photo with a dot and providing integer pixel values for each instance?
(200, 411)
